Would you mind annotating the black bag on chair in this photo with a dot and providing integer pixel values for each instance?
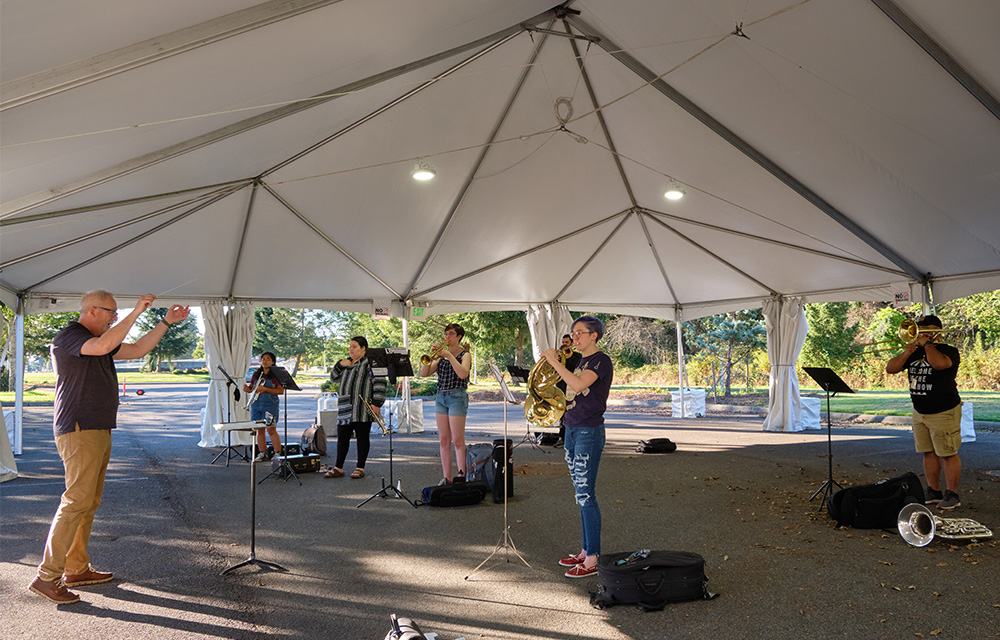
(650, 579)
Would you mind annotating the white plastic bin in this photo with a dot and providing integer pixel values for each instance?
(326, 402)
(812, 408)
(968, 423)
(694, 403)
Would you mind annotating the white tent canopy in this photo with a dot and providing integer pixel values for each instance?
(239, 150)
(828, 151)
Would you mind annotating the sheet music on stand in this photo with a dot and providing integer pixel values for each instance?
(391, 363)
(507, 393)
(518, 375)
(285, 379)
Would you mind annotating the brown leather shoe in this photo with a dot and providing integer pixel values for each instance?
(87, 577)
(53, 591)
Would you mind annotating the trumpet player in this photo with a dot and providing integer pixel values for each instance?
(267, 384)
(359, 389)
(937, 409)
(452, 366)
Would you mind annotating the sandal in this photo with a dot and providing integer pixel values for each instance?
(358, 473)
(334, 473)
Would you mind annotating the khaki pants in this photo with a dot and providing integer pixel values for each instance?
(85, 455)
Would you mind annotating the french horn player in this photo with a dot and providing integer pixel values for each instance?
(587, 390)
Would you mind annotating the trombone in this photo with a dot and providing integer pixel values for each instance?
(907, 332)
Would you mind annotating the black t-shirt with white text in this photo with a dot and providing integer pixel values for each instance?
(933, 391)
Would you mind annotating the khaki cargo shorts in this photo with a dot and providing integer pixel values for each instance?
(938, 432)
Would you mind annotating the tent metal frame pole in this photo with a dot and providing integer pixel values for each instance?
(470, 178)
(729, 136)
(786, 245)
(333, 243)
(134, 239)
(243, 237)
(83, 72)
(717, 257)
(526, 252)
(681, 373)
(116, 227)
(593, 256)
(656, 256)
(19, 368)
(41, 198)
(389, 105)
(942, 57)
(208, 190)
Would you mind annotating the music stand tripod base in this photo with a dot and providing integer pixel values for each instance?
(252, 559)
(829, 381)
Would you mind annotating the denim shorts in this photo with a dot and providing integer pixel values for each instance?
(452, 402)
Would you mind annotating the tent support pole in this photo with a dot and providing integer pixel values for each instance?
(19, 370)
(681, 373)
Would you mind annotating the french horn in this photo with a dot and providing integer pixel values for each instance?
(919, 526)
(546, 403)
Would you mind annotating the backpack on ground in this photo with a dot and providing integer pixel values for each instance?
(479, 463)
(501, 471)
(656, 445)
(875, 506)
(650, 579)
(459, 493)
(314, 440)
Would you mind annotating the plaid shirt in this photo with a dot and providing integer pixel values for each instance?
(357, 382)
(447, 378)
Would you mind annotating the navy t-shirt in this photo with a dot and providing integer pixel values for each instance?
(933, 391)
(586, 409)
(86, 386)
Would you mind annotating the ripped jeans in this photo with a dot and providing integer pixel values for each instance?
(583, 455)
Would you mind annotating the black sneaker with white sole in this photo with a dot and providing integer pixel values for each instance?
(950, 501)
(932, 496)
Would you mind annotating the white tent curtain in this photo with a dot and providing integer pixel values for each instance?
(786, 333)
(228, 343)
(548, 323)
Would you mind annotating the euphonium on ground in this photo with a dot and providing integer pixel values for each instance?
(546, 403)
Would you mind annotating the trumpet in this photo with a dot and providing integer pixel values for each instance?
(426, 359)
(907, 332)
(377, 416)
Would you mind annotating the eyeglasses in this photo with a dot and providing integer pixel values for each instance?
(111, 311)
(577, 334)
(450, 333)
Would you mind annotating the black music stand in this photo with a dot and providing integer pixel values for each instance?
(518, 375)
(252, 427)
(283, 470)
(229, 418)
(506, 542)
(830, 382)
(390, 363)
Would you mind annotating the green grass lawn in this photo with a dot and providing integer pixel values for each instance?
(38, 390)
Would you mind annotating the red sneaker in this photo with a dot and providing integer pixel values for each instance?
(580, 571)
(570, 561)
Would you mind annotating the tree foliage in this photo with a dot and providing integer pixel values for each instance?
(828, 343)
(636, 341)
(731, 338)
(291, 333)
(177, 342)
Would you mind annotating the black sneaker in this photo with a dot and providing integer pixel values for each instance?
(932, 496)
(950, 501)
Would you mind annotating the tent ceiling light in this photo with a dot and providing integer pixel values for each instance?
(674, 192)
(423, 171)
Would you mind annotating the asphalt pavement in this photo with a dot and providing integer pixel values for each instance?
(171, 522)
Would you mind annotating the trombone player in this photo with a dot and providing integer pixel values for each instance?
(937, 409)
